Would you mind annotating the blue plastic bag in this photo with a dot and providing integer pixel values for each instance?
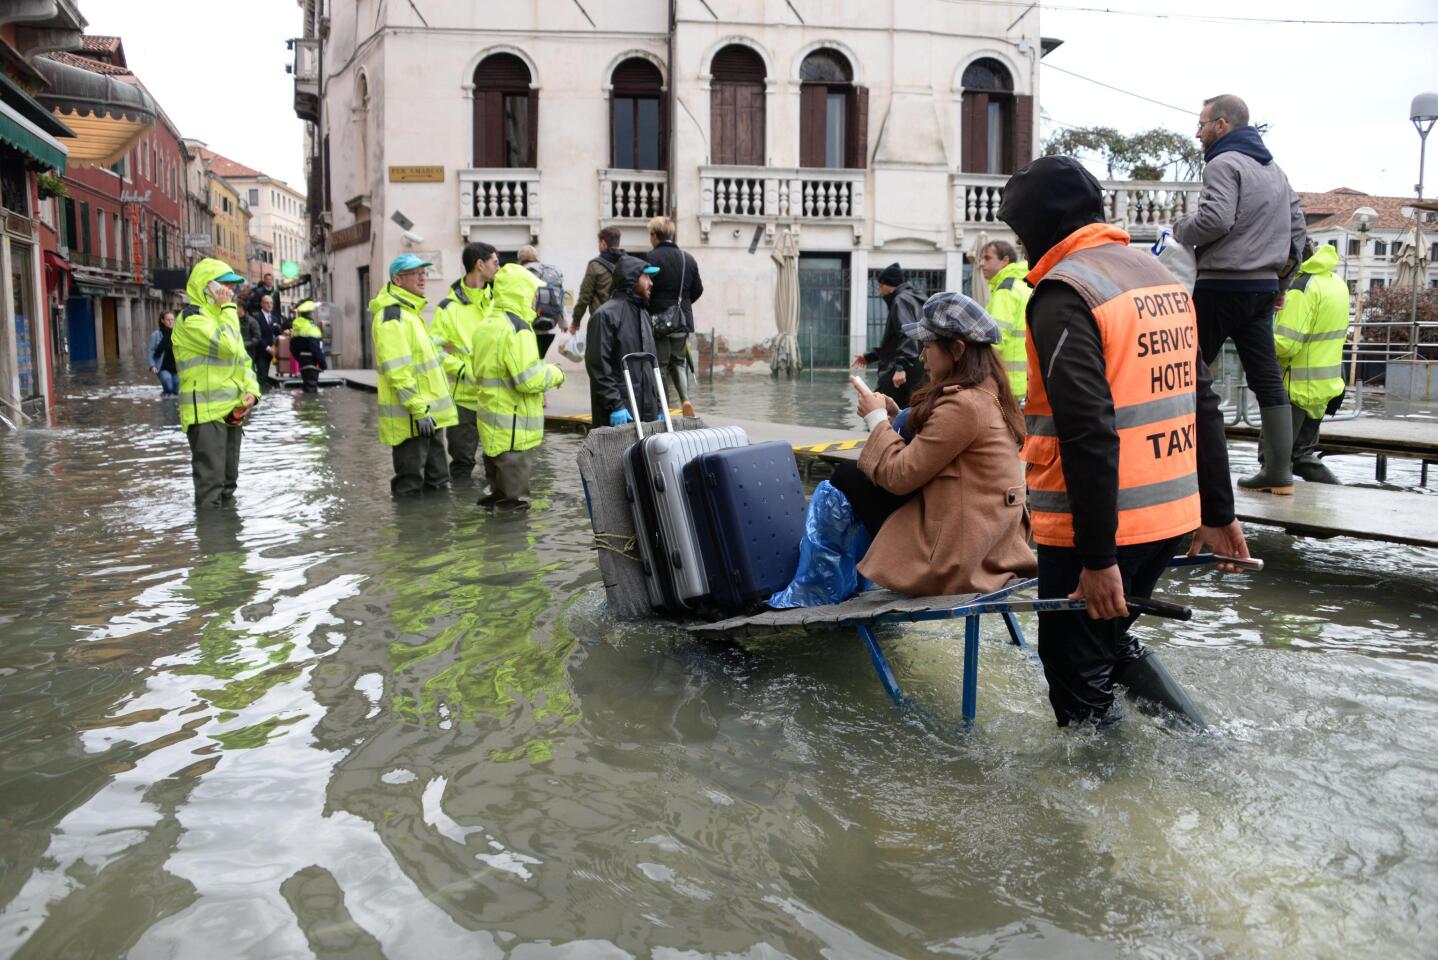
(834, 541)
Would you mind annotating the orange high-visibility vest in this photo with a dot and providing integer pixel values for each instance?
(1150, 349)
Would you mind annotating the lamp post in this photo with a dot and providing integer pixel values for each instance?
(1362, 220)
(1424, 113)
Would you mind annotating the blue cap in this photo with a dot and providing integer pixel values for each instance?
(651, 270)
(230, 278)
(407, 261)
(953, 316)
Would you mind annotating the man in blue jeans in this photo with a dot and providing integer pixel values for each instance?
(162, 356)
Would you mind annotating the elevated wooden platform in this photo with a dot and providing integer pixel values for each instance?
(1316, 510)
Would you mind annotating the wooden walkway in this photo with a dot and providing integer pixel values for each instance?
(1316, 510)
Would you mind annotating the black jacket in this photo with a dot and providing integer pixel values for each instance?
(897, 351)
(268, 328)
(675, 265)
(1044, 203)
(618, 328)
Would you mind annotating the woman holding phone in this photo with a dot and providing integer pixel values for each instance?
(947, 507)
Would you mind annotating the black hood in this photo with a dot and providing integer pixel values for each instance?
(626, 273)
(1048, 200)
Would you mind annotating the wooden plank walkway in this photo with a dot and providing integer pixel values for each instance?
(1316, 510)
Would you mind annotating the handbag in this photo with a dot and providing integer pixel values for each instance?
(670, 320)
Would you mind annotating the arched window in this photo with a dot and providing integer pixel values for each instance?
(833, 113)
(361, 115)
(636, 116)
(736, 107)
(996, 127)
(506, 113)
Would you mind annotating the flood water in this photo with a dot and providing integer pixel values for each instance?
(331, 725)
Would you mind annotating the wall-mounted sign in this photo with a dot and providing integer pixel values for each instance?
(350, 236)
(130, 196)
(198, 241)
(417, 174)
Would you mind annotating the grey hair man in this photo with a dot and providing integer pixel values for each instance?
(671, 306)
(1247, 232)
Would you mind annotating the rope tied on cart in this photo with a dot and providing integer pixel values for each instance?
(624, 545)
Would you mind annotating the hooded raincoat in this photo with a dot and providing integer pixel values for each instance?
(215, 369)
(1008, 299)
(455, 320)
(411, 384)
(618, 328)
(1309, 332)
(505, 364)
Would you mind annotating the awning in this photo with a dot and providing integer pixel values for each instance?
(108, 115)
(53, 259)
(30, 140)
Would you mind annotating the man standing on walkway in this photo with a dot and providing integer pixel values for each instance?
(414, 400)
(598, 277)
(455, 321)
(1129, 457)
(897, 356)
(671, 306)
(512, 381)
(549, 299)
(307, 345)
(1247, 231)
(217, 381)
(617, 329)
(1008, 297)
(1308, 337)
(269, 330)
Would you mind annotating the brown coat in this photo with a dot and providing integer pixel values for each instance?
(967, 531)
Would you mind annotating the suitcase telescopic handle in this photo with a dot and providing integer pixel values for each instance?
(633, 403)
(658, 382)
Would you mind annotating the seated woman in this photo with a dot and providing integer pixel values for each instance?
(947, 509)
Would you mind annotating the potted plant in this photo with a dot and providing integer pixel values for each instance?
(50, 186)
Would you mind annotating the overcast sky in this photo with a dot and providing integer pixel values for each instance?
(1336, 97)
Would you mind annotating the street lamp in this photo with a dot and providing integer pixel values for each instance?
(1363, 220)
(1423, 113)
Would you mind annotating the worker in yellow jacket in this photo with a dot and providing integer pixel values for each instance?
(1008, 300)
(455, 320)
(1308, 336)
(218, 387)
(512, 381)
(414, 399)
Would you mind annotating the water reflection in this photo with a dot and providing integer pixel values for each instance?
(333, 725)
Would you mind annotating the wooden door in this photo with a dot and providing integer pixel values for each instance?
(110, 328)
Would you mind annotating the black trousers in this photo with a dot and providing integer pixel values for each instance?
(419, 463)
(214, 461)
(1247, 320)
(872, 503)
(1082, 657)
(900, 394)
(462, 439)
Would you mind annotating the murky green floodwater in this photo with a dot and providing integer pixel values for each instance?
(335, 726)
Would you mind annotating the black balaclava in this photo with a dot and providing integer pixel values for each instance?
(1048, 200)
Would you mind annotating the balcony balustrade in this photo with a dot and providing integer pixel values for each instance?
(1143, 207)
(631, 196)
(772, 195)
(499, 196)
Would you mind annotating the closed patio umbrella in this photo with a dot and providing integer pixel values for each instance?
(786, 306)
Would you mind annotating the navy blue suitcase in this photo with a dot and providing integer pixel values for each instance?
(748, 509)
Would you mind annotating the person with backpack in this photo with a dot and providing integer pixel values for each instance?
(548, 299)
(671, 305)
(598, 277)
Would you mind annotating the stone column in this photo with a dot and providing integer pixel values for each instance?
(97, 309)
(954, 271)
(858, 301)
(124, 320)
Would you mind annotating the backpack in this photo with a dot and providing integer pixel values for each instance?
(550, 297)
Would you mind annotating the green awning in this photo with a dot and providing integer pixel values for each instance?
(30, 140)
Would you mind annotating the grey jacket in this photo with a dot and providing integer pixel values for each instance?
(1248, 221)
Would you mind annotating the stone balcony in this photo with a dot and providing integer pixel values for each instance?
(1142, 207)
(306, 70)
(774, 195)
(631, 197)
(499, 197)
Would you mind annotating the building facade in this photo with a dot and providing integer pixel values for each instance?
(1372, 257)
(870, 138)
(230, 223)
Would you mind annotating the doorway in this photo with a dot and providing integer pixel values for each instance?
(824, 310)
(366, 341)
(110, 328)
(80, 317)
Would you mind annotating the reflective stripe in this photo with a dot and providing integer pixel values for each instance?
(395, 364)
(1129, 498)
(1016, 366)
(531, 373)
(505, 382)
(1316, 373)
(210, 396)
(215, 340)
(393, 410)
(440, 404)
(1293, 334)
(406, 393)
(504, 421)
(203, 362)
(444, 346)
(1104, 288)
(1136, 415)
(427, 366)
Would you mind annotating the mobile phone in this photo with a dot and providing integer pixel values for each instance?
(859, 383)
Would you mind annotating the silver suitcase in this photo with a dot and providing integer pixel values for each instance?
(654, 485)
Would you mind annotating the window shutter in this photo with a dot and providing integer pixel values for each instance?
(857, 148)
(723, 136)
(973, 132)
(481, 127)
(811, 124)
(534, 128)
(1023, 132)
(749, 124)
